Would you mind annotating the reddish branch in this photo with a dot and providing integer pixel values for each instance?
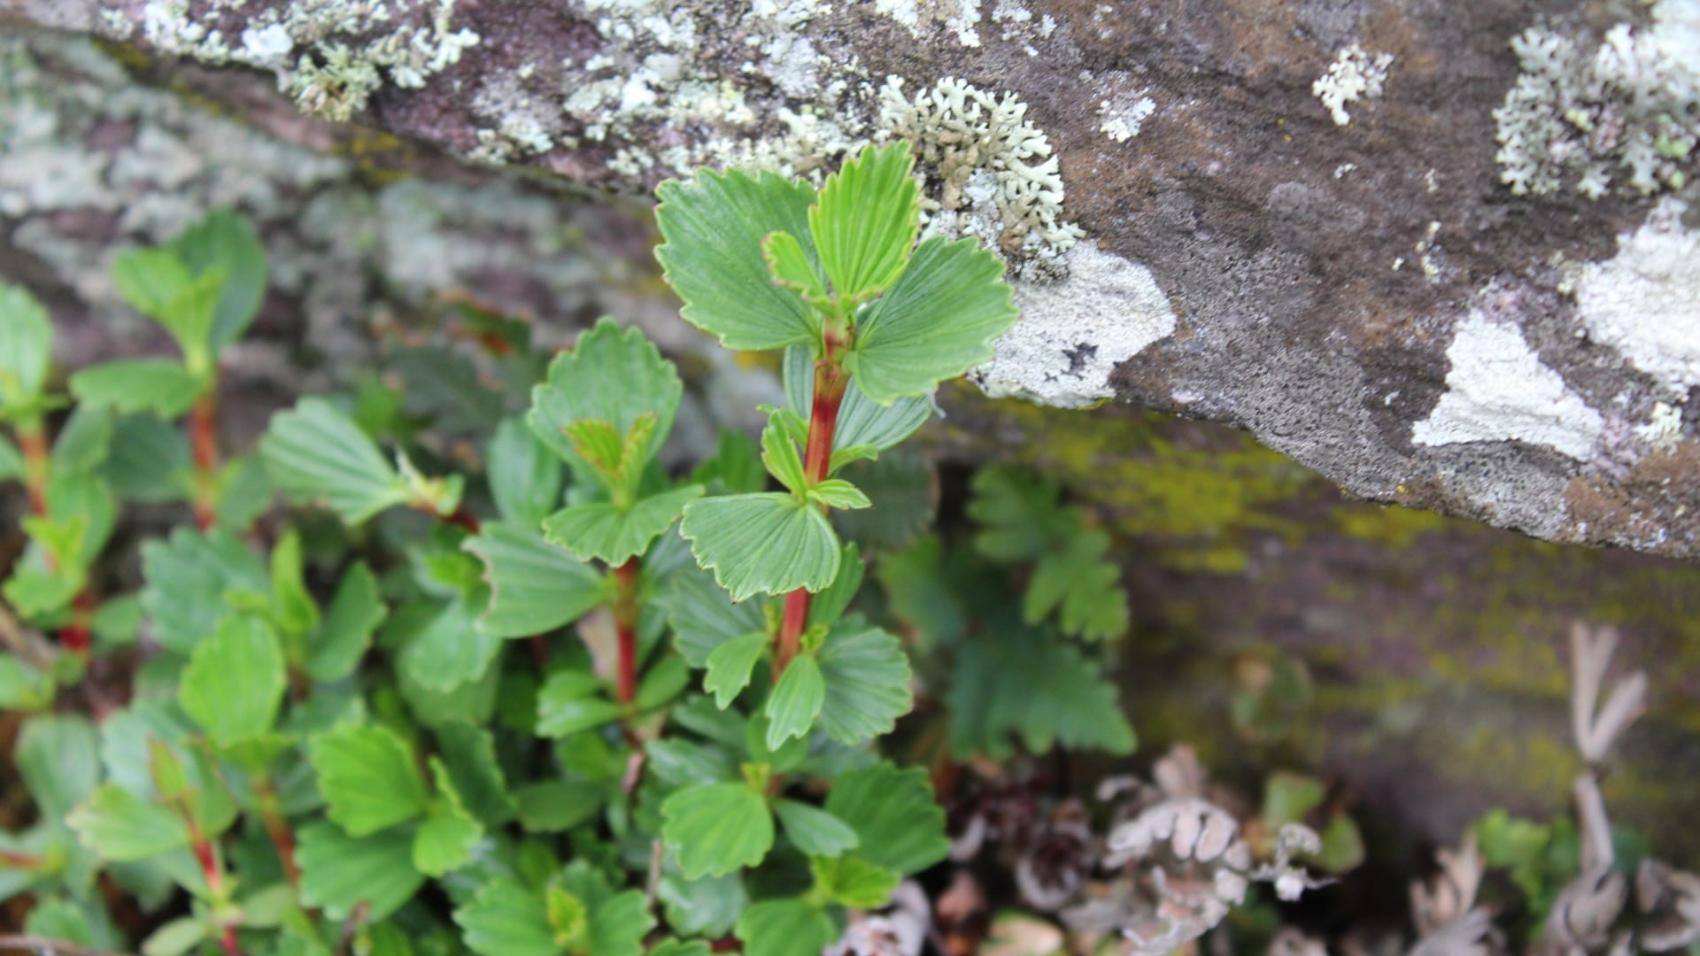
(830, 382)
(203, 439)
(206, 854)
(625, 627)
(33, 444)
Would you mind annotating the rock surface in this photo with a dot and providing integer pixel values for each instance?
(1288, 216)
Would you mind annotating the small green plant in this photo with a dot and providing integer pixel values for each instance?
(569, 700)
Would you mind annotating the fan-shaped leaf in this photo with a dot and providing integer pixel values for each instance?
(316, 453)
(762, 543)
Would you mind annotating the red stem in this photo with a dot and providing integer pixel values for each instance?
(463, 518)
(207, 855)
(626, 625)
(830, 382)
(278, 829)
(33, 444)
(203, 438)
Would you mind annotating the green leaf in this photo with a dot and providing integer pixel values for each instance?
(26, 348)
(893, 814)
(795, 702)
(613, 375)
(1083, 584)
(736, 466)
(867, 680)
(762, 544)
(448, 652)
(293, 609)
(608, 533)
(175, 938)
(838, 493)
(716, 828)
(58, 755)
(469, 756)
(506, 918)
(1019, 680)
(446, 837)
(225, 244)
(729, 667)
(161, 386)
(865, 221)
(862, 422)
(22, 686)
(665, 680)
(525, 478)
(235, 681)
(148, 460)
(315, 453)
(558, 805)
(713, 227)
(156, 283)
(785, 927)
(904, 493)
(340, 872)
(81, 443)
(535, 587)
(779, 454)
(674, 947)
(120, 826)
(11, 460)
(706, 907)
(187, 577)
(813, 830)
(853, 882)
(571, 701)
(703, 618)
(342, 638)
(1288, 797)
(368, 777)
(937, 322)
(618, 921)
(788, 264)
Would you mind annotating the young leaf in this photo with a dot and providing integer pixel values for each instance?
(225, 243)
(702, 618)
(157, 284)
(120, 826)
(729, 667)
(535, 587)
(235, 681)
(608, 533)
(346, 631)
(853, 882)
(838, 493)
(813, 830)
(795, 702)
(785, 927)
(26, 348)
(862, 422)
(571, 701)
(893, 814)
(445, 838)
(161, 386)
(762, 544)
(22, 686)
(937, 322)
(716, 828)
(790, 267)
(524, 476)
(316, 453)
(618, 921)
(368, 777)
(11, 460)
(713, 227)
(865, 221)
(507, 918)
(829, 605)
(866, 674)
(339, 873)
(779, 454)
(613, 375)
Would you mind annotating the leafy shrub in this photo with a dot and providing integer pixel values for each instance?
(568, 702)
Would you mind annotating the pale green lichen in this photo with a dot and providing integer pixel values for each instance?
(1354, 76)
(990, 172)
(343, 50)
(1625, 111)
